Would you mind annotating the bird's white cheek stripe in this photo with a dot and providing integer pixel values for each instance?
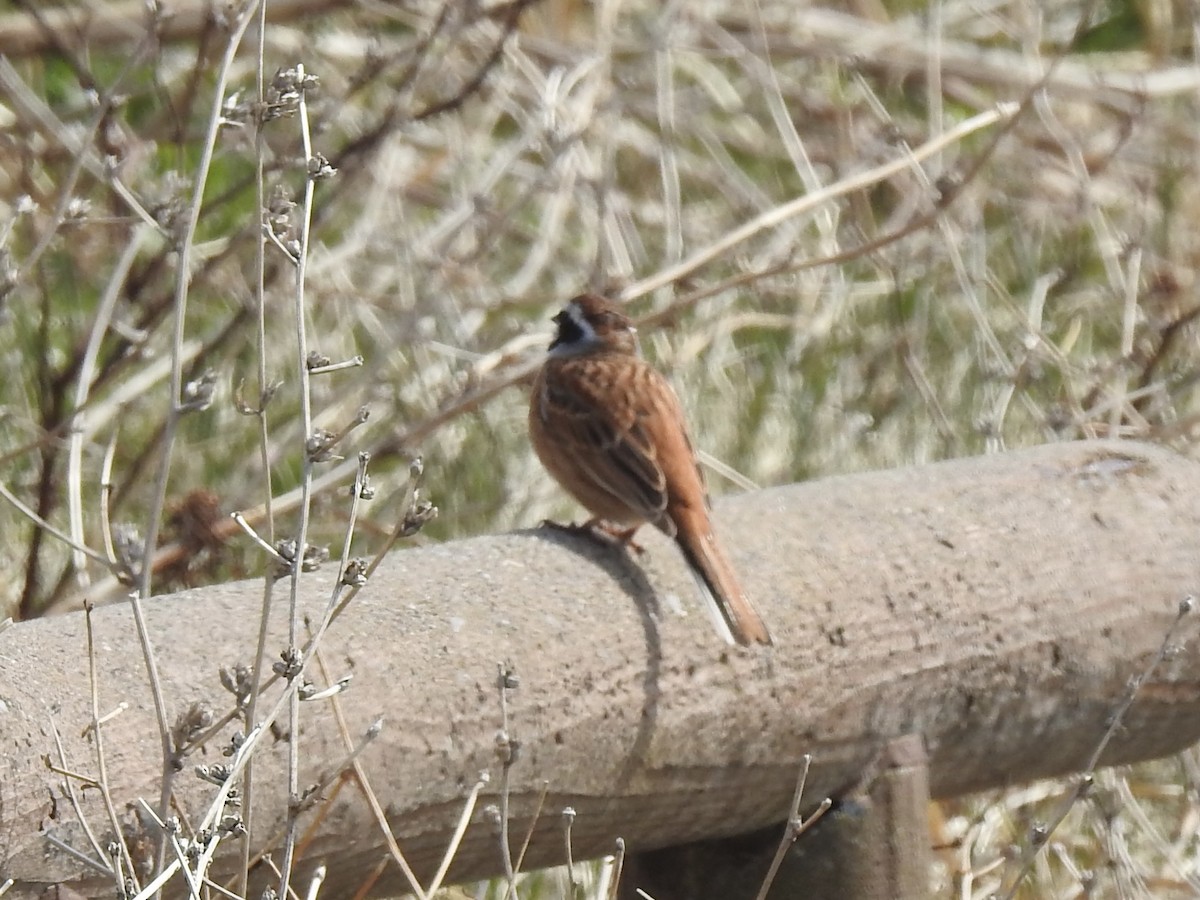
(586, 340)
(588, 332)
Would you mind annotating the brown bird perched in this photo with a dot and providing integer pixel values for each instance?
(611, 430)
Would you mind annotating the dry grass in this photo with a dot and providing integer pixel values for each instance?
(1029, 282)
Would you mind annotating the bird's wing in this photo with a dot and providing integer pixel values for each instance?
(604, 415)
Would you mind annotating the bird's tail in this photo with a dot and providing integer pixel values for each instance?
(733, 615)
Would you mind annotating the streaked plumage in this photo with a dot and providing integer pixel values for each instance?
(611, 430)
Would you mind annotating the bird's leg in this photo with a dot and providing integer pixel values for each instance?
(601, 530)
(568, 527)
(623, 536)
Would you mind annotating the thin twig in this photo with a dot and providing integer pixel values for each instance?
(264, 430)
(41, 523)
(506, 749)
(618, 864)
(460, 830)
(263, 545)
(82, 857)
(180, 854)
(528, 839)
(373, 800)
(300, 313)
(176, 410)
(1083, 782)
(101, 759)
(83, 383)
(314, 886)
(796, 826)
(73, 798)
(568, 815)
(800, 205)
(106, 486)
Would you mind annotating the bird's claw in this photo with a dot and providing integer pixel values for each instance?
(600, 530)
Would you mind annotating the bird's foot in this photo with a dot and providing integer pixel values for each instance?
(615, 533)
(568, 527)
(600, 530)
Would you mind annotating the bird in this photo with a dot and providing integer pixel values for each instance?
(610, 429)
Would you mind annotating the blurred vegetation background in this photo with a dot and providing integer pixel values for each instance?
(1028, 282)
